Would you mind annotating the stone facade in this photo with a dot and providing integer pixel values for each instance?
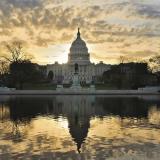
(88, 72)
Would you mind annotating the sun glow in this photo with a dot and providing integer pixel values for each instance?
(51, 54)
(63, 122)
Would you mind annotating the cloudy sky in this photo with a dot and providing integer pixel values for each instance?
(111, 28)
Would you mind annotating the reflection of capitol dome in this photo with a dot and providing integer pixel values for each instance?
(78, 128)
(78, 51)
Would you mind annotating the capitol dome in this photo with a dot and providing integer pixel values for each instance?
(78, 51)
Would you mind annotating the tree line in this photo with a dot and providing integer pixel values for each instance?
(133, 75)
(16, 68)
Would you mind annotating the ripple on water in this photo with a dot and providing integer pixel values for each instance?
(79, 127)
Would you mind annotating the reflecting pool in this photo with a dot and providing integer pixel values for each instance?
(79, 127)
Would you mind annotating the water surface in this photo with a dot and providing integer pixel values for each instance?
(79, 127)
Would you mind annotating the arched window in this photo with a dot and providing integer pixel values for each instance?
(50, 75)
(76, 67)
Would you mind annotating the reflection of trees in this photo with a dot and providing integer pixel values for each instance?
(17, 136)
(24, 109)
(77, 109)
(124, 107)
(20, 112)
(4, 111)
(154, 115)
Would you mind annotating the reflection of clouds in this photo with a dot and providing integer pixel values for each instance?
(40, 136)
(124, 131)
(154, 115)
(101, 127)
(122, 139)
(106, 138)
(4, 112)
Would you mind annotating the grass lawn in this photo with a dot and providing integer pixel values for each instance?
(39, 86)
(104, 87)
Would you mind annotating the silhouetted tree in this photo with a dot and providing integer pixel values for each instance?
(4, 66)
(155, 63)
(129, 75)
(123, 59)
(20, 72)
(15, 52)
(20, 67)
(4, 70)
(155, 66)
(23, 72)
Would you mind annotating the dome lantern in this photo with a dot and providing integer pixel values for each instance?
(78, 34)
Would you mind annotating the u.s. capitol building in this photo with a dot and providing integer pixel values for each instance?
(88, 72)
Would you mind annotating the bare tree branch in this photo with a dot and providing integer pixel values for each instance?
(154, 63)
(16, 52)
(4, 66)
